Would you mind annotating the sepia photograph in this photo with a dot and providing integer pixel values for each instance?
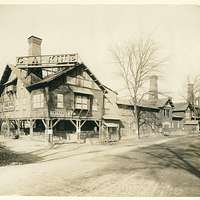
(100, 100)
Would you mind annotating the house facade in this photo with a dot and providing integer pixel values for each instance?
(56, 95)
(185, 118)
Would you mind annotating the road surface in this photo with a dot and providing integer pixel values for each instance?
(164, 167)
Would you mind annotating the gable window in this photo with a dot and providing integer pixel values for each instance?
(38, 100)
(60, 101)
(87, 83)
(81, 102)
(71, 80)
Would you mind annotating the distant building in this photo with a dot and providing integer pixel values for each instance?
(156, 113)
(186, 114)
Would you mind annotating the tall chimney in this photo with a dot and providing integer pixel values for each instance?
(190, 93)
(153, 90)
(35, 50)
(34, 46)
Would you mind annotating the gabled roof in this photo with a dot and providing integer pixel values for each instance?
(144, 104)
(38, 83)
(179, 115)
(94, 77)
(10, 81)
(164, 101)
(108, 88)
(181, 106)
(5, 76)
(47, 80)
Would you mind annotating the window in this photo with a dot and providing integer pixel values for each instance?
(80, 82)
(95, 104)
(187, 114)
(107, 104)
(81, 102)
(71, 80)
(8, 106)
(38, 101)
(8, 102)
(87, 83)
(85, 75)
(166, 113)
(60, 101)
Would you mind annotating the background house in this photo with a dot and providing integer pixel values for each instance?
(186, 114)
(156, 113)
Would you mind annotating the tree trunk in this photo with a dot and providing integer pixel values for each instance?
(137, 128)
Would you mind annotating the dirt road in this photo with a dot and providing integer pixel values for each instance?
(164, 167)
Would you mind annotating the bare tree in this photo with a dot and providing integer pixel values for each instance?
(137, 61)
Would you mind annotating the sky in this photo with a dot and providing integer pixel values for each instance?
(93, 30)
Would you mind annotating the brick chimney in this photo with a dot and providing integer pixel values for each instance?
(153, 90)
(35, 50)
(34, 46)
(190, 93)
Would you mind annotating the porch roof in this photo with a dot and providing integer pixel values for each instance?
(111, 125)
(191, 122)
(113, 117)
(81, 90)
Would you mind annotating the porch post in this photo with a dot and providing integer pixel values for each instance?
(51, 128)
(46, 123)
(100, 132)
(79, 130)
(8, 130)
(31, 126)
(18, 126)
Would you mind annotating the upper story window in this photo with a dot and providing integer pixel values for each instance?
(60, 101)
(81, 102)
(107, 104)
(8, 102)
(166, 113)
(8, 106)
(10, 88)
(95, 104)
(80, 81)
(38, 100)
(71, 80)
(187, 114)
(87, 83)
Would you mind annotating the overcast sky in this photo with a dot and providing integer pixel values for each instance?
(92, 30)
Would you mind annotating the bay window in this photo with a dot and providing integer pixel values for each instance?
(81, 102)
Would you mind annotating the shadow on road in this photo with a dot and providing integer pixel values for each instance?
(177, 154)
(8, 157)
